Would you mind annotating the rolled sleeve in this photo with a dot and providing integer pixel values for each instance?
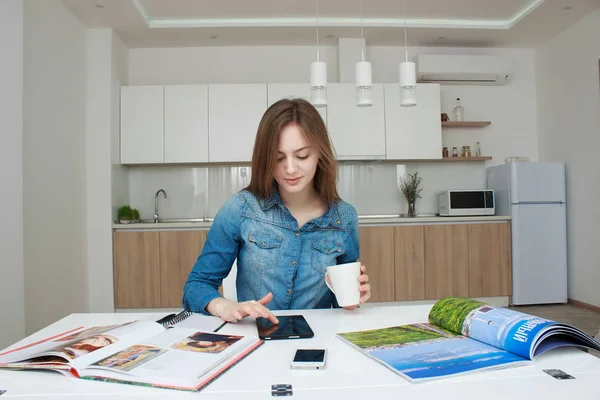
(216, 259)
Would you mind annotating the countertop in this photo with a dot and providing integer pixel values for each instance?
(366, 220)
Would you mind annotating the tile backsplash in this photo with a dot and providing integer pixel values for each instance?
(370, 186)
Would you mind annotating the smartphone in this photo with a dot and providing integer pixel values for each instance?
(309, 359)
(289, 327)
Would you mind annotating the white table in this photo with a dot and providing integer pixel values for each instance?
(349, 374)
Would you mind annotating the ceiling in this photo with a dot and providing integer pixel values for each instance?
(471, 23)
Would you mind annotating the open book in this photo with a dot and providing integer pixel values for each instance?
(187, 356)
(464, 335)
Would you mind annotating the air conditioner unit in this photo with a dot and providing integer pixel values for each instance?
(463, 69)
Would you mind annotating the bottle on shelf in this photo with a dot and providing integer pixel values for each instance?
(454, 151)
(459, 111)
(477, 150)
(445, 152)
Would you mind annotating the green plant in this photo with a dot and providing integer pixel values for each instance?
(126, 212)
(410, 186)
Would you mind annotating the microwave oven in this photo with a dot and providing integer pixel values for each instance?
(466, 202)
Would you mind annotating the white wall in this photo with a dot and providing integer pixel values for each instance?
(54, 163)
(568, 68)
(119, 76)
(511, 108)
(12, 300)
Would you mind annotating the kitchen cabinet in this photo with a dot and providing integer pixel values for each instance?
(409, 266)
(358, 133)
(377, 254)
(234, 113)
(186, 124)
(152, 267)
(278, 91)
(490, 269)
(136, 269)
(446, 260)
(404, 261)
(142, 122)
(413, 132)
(179, 251)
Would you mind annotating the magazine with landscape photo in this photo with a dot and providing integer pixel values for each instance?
(464, 335)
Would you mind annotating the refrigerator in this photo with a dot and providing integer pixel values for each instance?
(533, 195)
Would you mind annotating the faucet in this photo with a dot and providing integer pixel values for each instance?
(156, 203)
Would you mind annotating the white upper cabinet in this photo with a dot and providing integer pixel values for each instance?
(413, 132)
(278, 91)
(142, 123)
(186, 123)
(358, 133)
(234, 112)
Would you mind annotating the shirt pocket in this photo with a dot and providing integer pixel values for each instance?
(263, 250)
(324, 254)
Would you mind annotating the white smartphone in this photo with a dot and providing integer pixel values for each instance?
(309, 359)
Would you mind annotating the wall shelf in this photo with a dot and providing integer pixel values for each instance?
(455, 159)
(444, 159)
(465, 124)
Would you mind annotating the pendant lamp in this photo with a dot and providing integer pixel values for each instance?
(408, 76)
(318, 76)
(363, 75)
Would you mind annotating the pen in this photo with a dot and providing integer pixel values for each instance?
(220, 326)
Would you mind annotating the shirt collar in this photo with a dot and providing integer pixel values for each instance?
(330, 218)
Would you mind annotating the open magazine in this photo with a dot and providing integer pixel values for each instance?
(187, 356)
(464, 335)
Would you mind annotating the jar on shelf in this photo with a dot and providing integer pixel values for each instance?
(445, 152)
(466, 151)
(458, 112)
(454, 151)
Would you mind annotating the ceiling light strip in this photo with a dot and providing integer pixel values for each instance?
(138, 6)
(524, 12)
(328, 22)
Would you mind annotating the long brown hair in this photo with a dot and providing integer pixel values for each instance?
(264, 159)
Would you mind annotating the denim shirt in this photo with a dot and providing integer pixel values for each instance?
(273, 255)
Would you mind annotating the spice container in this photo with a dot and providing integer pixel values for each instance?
(445, 152)
(454, 151)
(466, 151)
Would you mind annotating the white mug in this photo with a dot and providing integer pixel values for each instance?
(344, 283)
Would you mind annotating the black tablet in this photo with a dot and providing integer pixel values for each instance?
(289, 327)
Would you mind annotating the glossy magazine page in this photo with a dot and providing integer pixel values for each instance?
(423, 351)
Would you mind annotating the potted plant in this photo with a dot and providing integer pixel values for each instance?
(409, 185)
(126, 214)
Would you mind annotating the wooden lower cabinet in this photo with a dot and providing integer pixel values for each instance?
(409, 266)
(179, 250)
(136, 269)
(446, 260)
(377, 254)
(490, 266)
(151, 267)
(405, 262)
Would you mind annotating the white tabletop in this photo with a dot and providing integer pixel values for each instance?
(349, 374)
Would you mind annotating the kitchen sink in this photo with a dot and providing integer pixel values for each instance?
(176, 220)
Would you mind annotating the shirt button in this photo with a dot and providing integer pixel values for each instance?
(297, 233)
(293, 262)
(338, 221)
(289, 291)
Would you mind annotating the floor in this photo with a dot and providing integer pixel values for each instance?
(584, 319)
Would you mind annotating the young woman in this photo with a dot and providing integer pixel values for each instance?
(284, 229)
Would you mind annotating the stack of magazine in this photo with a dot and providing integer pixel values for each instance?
(462, 336)
(175, 354)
